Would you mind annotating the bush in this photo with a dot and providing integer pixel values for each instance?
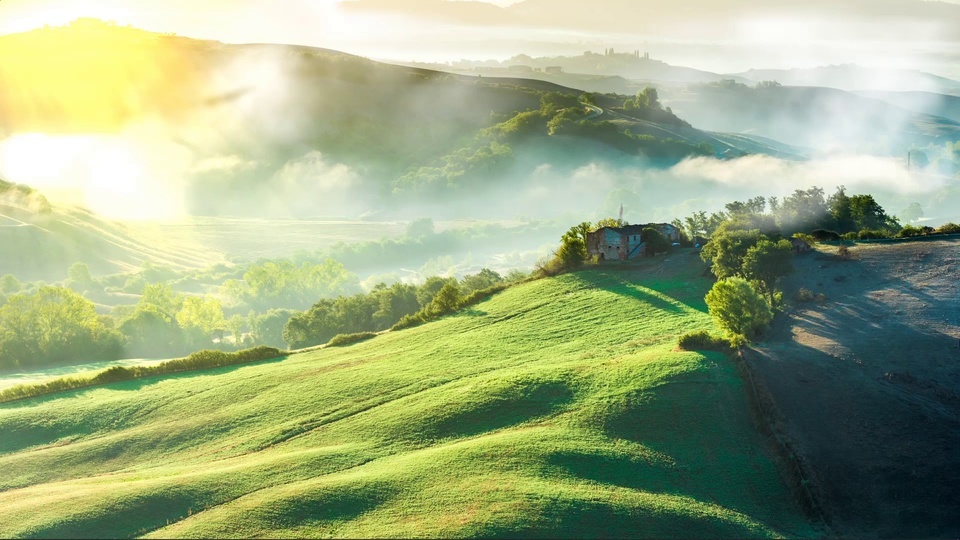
(479, 296)
(910, 231)
(949, 228)
(807, 296)
(342, 340)
(823, 235)
(199, 360)
(872, 234)
(409, 321)
(739, 309)
(702, 341)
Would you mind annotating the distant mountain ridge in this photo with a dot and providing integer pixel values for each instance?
(856, 78)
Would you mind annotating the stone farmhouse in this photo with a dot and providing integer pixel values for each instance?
(627, 242)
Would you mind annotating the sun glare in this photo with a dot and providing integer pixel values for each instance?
(111, 176)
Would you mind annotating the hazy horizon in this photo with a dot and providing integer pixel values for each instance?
(727, 38)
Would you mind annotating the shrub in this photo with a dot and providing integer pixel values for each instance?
(114, 374)
(199, 360)
(739, 309)
(823, 235)
(702, 341)
(806, 296)
(949, 228)
(479, 296)
(342, 340)
(872, 234)
(409, 321)
(851, 236)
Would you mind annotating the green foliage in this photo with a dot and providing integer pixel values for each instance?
(9, 284)
(342, 340)
(150, 333)
(464, 168)
(267, 328)
(655, 241)
(607, 222)
(702, 340)
(949, 228)
(767, 262)
(485, 279)
(283, 284)
(727, 248)
(203, 315)
(573, 250)
(446, 301)
(738, 309)
(430, 288)
(53, 326)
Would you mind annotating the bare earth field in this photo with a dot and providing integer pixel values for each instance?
(867, 386)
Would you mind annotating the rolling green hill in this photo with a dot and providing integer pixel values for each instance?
(559, 408)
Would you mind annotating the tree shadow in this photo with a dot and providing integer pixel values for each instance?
(616, 284)
(872, 400)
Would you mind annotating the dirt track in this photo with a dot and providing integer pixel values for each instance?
(867, 386)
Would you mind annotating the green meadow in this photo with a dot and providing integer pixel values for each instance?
(558, 408)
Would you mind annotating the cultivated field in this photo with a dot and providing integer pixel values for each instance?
(558, 408)
(868, 386)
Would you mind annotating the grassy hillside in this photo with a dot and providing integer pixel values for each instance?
(41, 240)
(558, 408)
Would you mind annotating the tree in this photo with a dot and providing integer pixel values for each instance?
(573, 250)
(655, 241)
(607, 222)
(430, 288)
(751, 207)
(738, 309)
(267, 329)
(203, 317)
(151, 333)
(446, 301)
(54, 326)
(9, 284)
(767, 262)
(79, 278)
(839, 208)
(696, 224)
(727, 248)
(485, 279)
(868, 214)
(912, 213)
(162, 297)
(235, 326)
(395, 302)
(803, 210)
(650, 98)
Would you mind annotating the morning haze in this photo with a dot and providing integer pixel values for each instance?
(432, 268)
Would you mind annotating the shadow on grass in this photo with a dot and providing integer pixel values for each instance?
(126, 517)
(616, 283)
(616, 470)
(565, 518)
(506, 409)
(325, 506)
